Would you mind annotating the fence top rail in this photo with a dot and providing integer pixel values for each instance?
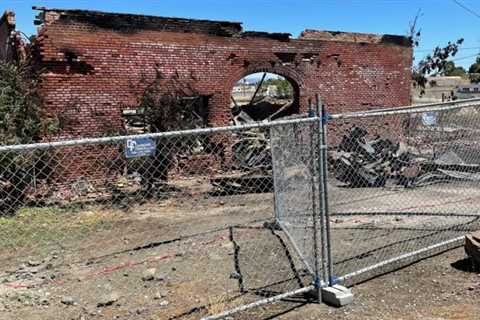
(430, 107)
(159, 135)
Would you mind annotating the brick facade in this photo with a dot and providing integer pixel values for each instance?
(94, 64)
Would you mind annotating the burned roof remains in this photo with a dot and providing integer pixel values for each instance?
(133, 22)
(310, 34)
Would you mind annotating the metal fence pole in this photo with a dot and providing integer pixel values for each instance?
(326, 209)
(321, 187)
(315, 211)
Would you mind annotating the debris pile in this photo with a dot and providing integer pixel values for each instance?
(472, 247)
(265, 109)
(253, 163)
(251, 155)
(360, 162)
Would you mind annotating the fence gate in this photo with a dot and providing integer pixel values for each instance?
(296, 221)
(296, 180)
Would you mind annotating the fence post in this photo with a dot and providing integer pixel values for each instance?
(326, 208)
(315, 209)
(321, 239)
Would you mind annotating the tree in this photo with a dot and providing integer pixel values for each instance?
(452, 70)
(284, 88)
(167, 105)
(19, 104)
(19, 123)
(475, 67)
(435, 63)
(474, 71)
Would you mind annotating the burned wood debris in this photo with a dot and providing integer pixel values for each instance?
(250, 151)
(360, 162)
(265, 109)
(472, 248)
(253, 165)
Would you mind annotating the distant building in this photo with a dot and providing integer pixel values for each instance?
(468, 91)
(244, 89)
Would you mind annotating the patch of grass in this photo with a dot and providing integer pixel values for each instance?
(37, 227)
(218, 304)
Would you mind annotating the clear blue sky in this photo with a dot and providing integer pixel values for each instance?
(440, 21)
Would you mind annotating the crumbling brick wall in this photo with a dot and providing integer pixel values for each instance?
(96, 64)
(93, 60)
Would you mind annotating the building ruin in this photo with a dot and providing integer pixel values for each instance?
(94, 63)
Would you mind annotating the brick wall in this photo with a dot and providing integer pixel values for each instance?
(95, 64)
(90, 69)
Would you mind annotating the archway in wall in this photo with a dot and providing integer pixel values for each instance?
(263, 96)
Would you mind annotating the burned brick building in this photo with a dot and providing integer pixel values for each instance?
(94, 64)
(94, 67)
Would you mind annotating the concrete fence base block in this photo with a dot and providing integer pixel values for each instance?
(337, 295)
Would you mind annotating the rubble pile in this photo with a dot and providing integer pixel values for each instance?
(472, 247)
(265, 109)
(360, 162)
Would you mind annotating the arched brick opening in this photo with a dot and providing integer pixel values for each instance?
(295, 87)
(219, 113)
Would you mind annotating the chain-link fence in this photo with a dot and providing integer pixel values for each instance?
(403, 184)
(195, 224)
(177, 225)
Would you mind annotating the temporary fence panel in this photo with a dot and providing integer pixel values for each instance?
(295, 159)
(403, 185)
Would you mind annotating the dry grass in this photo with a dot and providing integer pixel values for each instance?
(36, 227)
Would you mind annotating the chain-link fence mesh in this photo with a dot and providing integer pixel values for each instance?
(185, 225)
(170, 226)
(297, 187)
(399, 185)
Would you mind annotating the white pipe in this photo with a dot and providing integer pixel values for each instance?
(431, 107)
(259, 303)
(401, 257)
(159, 135)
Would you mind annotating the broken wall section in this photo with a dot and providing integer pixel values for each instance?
(7, 28)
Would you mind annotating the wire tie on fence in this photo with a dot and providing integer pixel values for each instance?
(333, 280)
(326, 117)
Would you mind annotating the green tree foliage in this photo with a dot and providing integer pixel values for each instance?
(436, 63)
(474, 71)
(452, 70)
(19, 123)
(19, 104)
(284, 88)
(475, 67)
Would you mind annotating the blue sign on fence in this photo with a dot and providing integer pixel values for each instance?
(140, 147)
(429, 118)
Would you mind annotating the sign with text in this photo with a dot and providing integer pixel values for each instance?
(140, 147)
(429, 118)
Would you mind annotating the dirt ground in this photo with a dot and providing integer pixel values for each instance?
(185, 257)
(438, 288)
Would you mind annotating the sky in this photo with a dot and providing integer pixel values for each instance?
(440, 21)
